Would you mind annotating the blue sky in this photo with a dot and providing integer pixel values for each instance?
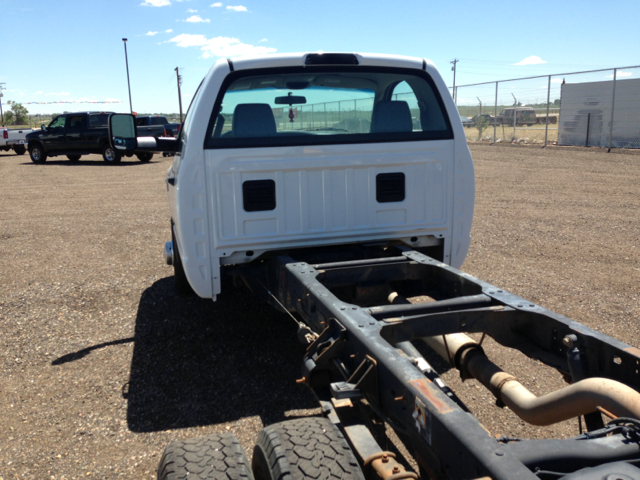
(71, 50)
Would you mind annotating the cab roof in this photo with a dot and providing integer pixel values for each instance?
(325, 58)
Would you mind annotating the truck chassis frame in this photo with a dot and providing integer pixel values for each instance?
(364, 370)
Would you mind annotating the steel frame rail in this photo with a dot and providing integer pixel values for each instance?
(359, 361)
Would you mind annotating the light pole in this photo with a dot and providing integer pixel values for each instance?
(126, 59)
(453, 69)
(179, 78)
(1, 114)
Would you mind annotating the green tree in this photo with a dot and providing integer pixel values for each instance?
(9, 118)
(20, 113)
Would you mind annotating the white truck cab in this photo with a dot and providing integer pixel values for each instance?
(309, 150)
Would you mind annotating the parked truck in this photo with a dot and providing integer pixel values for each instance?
(81, 133)
(338, 229)
(523, 116)
(171, 129)
(13, 139)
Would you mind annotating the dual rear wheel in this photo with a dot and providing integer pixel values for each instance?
(299, 449)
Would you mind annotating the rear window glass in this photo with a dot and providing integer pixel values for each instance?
(97, 121)
(152, 121)
(321, 105)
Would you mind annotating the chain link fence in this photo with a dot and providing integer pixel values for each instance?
(595, 108)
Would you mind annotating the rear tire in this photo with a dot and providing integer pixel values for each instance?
(214, 456)
(144, 157)
(19, 149)
(302, 449)
(37, 154)
(74, 158)
(110, 155)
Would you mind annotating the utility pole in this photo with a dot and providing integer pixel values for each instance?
(1, 114)
(128, 83)
(179, 78)
(453, 69)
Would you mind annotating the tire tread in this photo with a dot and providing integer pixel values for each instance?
(218, 457)
(306, 448)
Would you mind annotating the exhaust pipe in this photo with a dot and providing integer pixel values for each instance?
(581, 398)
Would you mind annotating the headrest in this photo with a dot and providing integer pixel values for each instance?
(253, 120)
(391, 116)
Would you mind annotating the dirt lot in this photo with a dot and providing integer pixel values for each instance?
(102, 364)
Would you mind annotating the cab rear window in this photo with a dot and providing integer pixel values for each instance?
(98, 121)
(326, 105)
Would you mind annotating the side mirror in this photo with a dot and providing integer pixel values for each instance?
(44, 129)
(123, 134)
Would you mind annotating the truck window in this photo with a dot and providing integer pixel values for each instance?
(74, 123)
(98, 121)
(318, 106)
(58, 122)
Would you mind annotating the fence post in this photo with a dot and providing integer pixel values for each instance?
(515, 115)
(495, 115)
(586, 142)
(546, 127)
(613, 103)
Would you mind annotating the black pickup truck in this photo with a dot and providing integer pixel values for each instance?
(171, 129)
(77, 134)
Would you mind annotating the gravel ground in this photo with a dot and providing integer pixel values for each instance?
(102, 364)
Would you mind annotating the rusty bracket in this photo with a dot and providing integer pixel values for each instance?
(385, 465)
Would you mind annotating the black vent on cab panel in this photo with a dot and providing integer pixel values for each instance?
(390, 187)
(259, 195)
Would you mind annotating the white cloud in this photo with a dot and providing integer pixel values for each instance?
(237, 8)
(197, 19)
(155, 3)
(187, 40)
(151, 34)
(263, 40)
(39, 92)
(621, 75)
(63, 94)
(532, 60)
(556, 80)
(191, 10)
(217, 4)
(169, 31)
(220, 46)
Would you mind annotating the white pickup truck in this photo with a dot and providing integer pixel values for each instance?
(339, 187)
(14, 139)
(307, 150)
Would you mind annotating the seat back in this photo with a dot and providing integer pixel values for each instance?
(391, 116)
(253, 120)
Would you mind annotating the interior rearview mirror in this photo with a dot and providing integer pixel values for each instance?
(123, 132)
(291, 100)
